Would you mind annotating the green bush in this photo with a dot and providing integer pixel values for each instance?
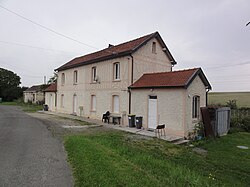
(241, 123)
(246, 123)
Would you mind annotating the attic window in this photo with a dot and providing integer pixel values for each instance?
(154, 47)
(116, 70)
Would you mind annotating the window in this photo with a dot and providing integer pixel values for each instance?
(196, 107)
(116, 104)
(93, 102)
(94, 74)
(63, 79)
(116, 69)
(62, 101)
(154, 47)
(75, 77)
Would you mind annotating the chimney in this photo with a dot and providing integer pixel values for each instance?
(110, 45)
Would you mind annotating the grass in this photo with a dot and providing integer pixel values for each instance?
(121, 159)
(242, 98)
(25, 107)
(80, 122)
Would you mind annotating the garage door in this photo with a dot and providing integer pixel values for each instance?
(152, 112)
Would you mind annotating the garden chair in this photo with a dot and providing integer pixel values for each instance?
(105, 117)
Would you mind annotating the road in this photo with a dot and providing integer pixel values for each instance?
(29, 154)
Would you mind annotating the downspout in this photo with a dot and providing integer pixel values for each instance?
(129, 91)
(132, 69)
(207, 96)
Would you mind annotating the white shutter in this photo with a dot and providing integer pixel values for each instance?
(74, 104)
(116, 104)
(93, 103)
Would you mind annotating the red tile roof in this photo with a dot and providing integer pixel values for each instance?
(52, 88)
(115, 51)
(170, 79)
(37, 88)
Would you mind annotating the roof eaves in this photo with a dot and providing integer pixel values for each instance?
(117, 55)
(155, 87)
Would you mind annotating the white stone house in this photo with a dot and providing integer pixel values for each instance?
(51, 97)
(170, 98)
(104, 81)
(34, 94)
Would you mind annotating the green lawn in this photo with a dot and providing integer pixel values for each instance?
(25, 107)
(121, 159)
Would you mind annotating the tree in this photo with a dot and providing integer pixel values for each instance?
(9, 85)
(53, 79)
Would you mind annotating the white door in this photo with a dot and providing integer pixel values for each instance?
(116, 104)
(74, 104)
(152, 112)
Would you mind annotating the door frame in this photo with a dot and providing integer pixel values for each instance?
(148, 98)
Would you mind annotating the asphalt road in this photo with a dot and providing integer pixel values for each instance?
(29, 154)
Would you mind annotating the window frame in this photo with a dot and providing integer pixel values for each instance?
(196, 107)
(154, 47)
(62, 101)
(75, 77)
(93, 104)
(113, 104)
(116, 71)
(93, 74)
(63, 79)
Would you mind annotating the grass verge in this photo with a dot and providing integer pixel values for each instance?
(25, 107)
(80, 122)
(121, 159)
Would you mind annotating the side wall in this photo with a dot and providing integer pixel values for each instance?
(145, 61)
(50, 100)
(196, 88)
(106, 87)
(170, 107)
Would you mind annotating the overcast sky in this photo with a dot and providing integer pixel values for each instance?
(209, 34)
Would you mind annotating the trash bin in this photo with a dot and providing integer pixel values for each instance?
(1, 100)
(45, 107)
(131, 120)
(138, 120)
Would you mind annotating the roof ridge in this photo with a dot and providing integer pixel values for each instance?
(111, 52)
(147, 35)
(171, 71)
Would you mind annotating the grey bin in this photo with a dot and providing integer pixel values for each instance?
(1, 100)
(138, 120)
(131, 120)
(45, 107)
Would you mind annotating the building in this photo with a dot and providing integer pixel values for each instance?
(51, 96)
(170, 98)
(108, 80)
(35, 94)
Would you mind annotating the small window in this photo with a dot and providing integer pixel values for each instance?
(93, 102)
(63, 79)
(196, 107)
(152, 97)
(62, 101)
(94, 79)
(116, 69)
(75, 77)
(116, 104)
(154, 47)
